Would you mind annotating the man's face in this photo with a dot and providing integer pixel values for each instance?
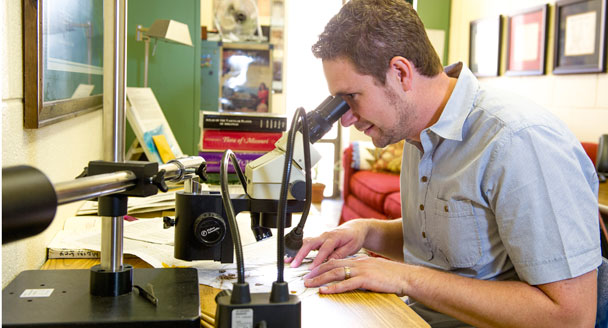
(381, 112)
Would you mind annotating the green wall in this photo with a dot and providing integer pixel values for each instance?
(435, 14)
(174, 70)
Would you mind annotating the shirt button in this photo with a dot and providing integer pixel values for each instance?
(445, 208)
(423, 234)
(421, 207)
(424, 179)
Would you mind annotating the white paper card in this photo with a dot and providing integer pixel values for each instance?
(580, 34)
(242, 318)
(39, 292)
(527, 47)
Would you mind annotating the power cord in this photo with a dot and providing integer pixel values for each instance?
(280, 291)
(240, 290)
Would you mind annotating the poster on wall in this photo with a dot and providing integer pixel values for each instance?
(580, 36)
(484, 46)
(246, 78)
(526, 41)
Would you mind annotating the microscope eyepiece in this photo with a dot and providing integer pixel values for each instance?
(324, 116)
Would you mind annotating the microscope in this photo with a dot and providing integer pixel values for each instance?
(204, 217)
(201, 225)
(165, 297)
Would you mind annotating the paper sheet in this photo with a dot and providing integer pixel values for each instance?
(146, 239)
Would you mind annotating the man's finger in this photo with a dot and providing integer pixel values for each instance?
(341, 287)
(324, 252)
(324, 276)
(307, 246)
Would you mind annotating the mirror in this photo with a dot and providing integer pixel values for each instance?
(63, 59)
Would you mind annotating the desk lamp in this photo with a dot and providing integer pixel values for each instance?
(164, 30)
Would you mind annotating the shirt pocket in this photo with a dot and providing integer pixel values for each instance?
(454, 233)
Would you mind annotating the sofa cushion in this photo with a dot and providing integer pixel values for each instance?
(364, 155)
(373, 187)
(390, 158)
(392, 205)
(360, 210)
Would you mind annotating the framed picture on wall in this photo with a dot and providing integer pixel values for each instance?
(527, 41)
(63, 64)
(246, 77)
(580, 36)
(484, 46)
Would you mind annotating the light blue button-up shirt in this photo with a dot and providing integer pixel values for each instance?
(501, 191)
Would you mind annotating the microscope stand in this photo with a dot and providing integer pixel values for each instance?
(62, 298)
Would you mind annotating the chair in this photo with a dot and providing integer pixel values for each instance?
(601, 319)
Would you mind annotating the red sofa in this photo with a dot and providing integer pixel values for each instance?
(369, 194)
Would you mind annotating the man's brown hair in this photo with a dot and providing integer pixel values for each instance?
(371, 32)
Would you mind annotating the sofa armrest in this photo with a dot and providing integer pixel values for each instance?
(347, 159)
(591, 150)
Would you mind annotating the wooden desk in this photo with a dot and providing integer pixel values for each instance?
(354, 309)
(603, 197)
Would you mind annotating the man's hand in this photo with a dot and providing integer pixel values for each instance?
(375, 274)
(339, 243)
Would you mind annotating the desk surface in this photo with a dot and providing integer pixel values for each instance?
(603, 194)
(603, 198)
(354, 309)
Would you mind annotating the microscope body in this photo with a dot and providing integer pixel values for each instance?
(202, 230)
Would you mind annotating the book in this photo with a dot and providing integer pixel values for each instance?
(214, 179)
(214, 160)
(148, 120)
(220, 140)
(244, 122)
(164, 150)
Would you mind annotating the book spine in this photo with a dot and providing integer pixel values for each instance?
(220, 140)
(214, 159)
(244, 123)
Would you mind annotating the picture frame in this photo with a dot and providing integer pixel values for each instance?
(246, 77)
(62, 60)
(527, 41)
(485, 38)
(580, 37)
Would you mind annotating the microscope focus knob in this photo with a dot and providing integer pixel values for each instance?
(210, 228)
(298, 189)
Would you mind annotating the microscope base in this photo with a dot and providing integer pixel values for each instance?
(69, 302)
(260, 309)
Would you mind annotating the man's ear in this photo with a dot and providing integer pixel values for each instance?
(403, 70)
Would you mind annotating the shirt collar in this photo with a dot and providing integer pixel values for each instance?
(460, 104)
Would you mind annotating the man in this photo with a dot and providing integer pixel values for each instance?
(499, 200)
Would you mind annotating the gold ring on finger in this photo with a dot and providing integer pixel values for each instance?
(346, 273)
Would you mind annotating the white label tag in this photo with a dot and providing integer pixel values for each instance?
(42, 292)
(242, 318)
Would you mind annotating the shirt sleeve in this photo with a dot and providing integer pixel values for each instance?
(542, 188)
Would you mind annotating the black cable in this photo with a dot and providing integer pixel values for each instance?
(282, 209)
(234, 229)
(239, 173)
